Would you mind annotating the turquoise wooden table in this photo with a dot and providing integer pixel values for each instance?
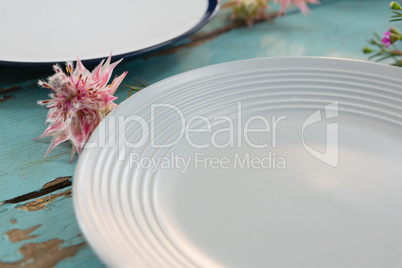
(37, 223)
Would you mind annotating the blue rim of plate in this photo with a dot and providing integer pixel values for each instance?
(213, 7)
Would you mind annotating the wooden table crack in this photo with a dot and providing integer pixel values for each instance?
(52, 186)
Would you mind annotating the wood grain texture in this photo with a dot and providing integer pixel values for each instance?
(24, 174)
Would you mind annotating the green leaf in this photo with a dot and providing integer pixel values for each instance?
(377, 36)
(375, 55)
(397, 12)
(397, 63)
(384, 58)
(142, 83)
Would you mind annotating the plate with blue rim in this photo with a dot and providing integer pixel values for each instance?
(48, 32)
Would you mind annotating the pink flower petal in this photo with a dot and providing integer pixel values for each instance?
(116, 83)
(57, 139)
(73, 151)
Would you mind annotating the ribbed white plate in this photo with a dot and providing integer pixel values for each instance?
(47, 31)
(300, 166)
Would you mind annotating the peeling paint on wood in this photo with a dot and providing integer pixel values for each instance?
(57, 181)
(13, 221)
(54, 185)
(17, 235)
(41, 203)
(9, 89)
(43, 255)
(4, 98)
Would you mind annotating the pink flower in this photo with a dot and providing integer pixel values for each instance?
(249, 10)
(301, 4)
(387, 39)
(391, 37)
(78, 103)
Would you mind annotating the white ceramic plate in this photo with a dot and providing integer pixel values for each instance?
(48, 31)
(300, 166)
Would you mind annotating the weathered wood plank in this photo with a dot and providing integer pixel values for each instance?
(42, 232)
